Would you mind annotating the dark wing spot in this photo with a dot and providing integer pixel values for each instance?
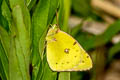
(75, 56)
(67, 62)
(62, 63)
(66, 50)
(87, 56)
(74, 43)
(82, 61)
(77, 50)
(56, 63)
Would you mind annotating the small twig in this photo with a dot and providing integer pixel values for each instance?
(107, 18)
(106, 7)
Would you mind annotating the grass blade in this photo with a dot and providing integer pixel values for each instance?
(113, 50)
(22, 42)
(3, 63)
(5, 40)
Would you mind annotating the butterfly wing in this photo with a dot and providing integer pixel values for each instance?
(84, 64)
(65, 54)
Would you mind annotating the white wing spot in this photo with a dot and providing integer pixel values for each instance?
(66, 50)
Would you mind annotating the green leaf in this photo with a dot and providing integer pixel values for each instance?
(31, 4)
(113, 50)
(76, 75)
(64, 76)
(14, 67)
(2, 73)
(64, 13)
(5, 40)
(82, 7)
(3, 21)
(21, 47)
(41, 51)
(39, 25)
(47, 72)
(3, 63)
(42, 17)
(6, 12)
(25, 12)
(27, 2)
(52, 10)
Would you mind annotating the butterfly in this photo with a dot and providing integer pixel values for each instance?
(64, 53)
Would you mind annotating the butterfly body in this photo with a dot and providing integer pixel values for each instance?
(64, 53)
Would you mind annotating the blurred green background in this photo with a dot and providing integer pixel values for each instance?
(24, 24)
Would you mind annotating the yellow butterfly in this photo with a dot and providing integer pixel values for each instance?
(64, 53)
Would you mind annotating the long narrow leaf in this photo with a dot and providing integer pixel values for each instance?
(5, 39)
(39, 25)
(64, 76)
(3, 63)
(25, 12)
(14, 67)
(42, 16)
(23, 43)
(113, 50)
(2, 73)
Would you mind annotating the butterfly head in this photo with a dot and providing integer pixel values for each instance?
(51, 32)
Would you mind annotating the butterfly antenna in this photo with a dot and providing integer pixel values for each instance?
(57, 19)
